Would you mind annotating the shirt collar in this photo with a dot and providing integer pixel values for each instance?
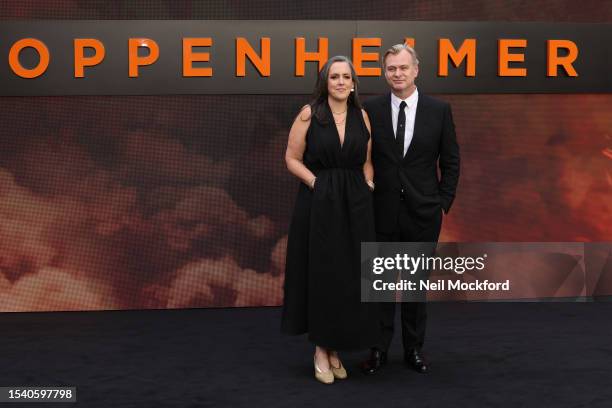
(411, 101)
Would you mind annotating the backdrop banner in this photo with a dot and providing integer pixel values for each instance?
(149, 57)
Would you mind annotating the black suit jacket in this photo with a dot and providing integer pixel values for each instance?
(434, 146)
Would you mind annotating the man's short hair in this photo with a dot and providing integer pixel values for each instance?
(396, 49)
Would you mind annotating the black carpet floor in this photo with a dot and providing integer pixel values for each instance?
(484, 354)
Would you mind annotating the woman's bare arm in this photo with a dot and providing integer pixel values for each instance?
(296, 145)
(368, 169)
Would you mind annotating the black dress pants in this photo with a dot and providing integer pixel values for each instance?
(414, 314)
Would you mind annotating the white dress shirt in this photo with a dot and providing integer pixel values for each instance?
(409, 111)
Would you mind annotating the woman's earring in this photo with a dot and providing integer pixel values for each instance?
(352, 89)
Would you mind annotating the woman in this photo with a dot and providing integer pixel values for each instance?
(329, 151)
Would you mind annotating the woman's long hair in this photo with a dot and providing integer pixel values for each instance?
(320, 94)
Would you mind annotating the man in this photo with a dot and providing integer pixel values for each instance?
(412, 136)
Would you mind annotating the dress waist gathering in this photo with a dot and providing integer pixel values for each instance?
(319, 170)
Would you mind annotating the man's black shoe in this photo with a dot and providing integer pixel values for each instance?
(414, 359)
(377, 359)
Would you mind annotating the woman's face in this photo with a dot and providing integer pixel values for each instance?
(339, 81)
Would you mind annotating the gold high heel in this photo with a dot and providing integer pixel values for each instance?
(338, 372)
(324, 377)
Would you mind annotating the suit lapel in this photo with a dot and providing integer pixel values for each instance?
(388, 123)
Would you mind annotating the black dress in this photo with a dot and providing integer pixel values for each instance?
(322, 276)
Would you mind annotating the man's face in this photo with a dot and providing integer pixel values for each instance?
(401, 71)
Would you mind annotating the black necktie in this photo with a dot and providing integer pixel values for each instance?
(401, 128)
